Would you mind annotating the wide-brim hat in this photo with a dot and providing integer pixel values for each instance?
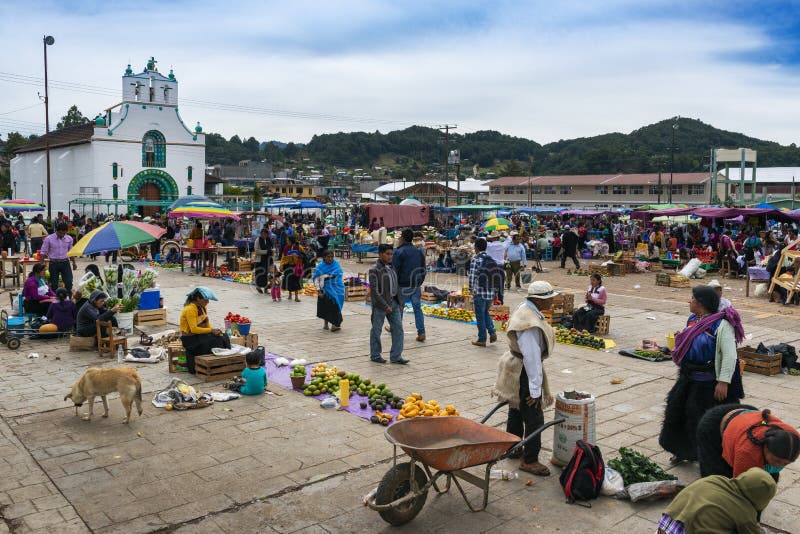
(493, 235)
(714, 283)
(541, 290)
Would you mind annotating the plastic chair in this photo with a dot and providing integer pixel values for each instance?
(109, 342)
(548, 254)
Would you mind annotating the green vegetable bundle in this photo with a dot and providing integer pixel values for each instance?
(636, 467)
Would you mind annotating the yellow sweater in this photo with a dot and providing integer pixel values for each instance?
(194, 320)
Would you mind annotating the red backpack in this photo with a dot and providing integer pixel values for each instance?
(583, 476)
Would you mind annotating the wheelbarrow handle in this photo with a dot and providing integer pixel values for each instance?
(492, 411)
(513, 450)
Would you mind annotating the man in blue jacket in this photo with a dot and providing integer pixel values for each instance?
(409, 263)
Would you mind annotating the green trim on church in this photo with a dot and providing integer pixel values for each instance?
(161, 179)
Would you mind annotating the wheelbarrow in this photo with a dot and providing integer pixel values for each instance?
(448, 445)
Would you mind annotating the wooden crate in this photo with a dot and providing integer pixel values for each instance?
(629, 265)
(156, 317)
(175, 350)
(355, 292)
(567, 302)
(603, 325)
(244, 265)
(602, 270)
(210, 368)
(457, 300)
(250, 340)
(677, 280)
(428, 297)
(662, 279)
(617, 269)
(654, 267)
(763, 364)
(78, 343)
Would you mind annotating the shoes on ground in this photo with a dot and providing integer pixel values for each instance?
(534, 468)
(401, 361)
(378, 360)
(479, 343)
(421, 337)
(492, 338)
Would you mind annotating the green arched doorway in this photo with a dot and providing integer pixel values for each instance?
(151, 185)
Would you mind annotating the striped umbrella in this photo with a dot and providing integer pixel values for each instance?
(189, 199)
(116, 235)
(19, 204)
(202, 210)
(497, 223)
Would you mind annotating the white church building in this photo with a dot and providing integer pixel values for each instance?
(138, 157)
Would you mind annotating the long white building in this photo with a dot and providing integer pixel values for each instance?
(139, 151)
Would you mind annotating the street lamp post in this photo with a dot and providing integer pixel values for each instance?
(47, 40)
(672, 157)
(15, 189)
(41, 185)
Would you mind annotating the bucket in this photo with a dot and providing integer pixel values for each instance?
(244, 328)
(579, 424)
(125, 321)
(670, 341)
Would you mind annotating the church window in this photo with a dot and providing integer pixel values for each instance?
(154, 149)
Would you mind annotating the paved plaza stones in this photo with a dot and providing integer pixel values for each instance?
(279, 463)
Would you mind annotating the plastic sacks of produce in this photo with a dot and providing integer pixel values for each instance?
(612, 483)
(690, 268)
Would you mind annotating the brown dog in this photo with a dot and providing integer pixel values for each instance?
(101, 382)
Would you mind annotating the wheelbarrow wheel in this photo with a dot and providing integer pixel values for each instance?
(13, 343)
(396, 483)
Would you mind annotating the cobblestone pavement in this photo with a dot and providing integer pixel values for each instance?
(279, 463)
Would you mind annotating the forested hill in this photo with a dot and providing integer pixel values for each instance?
(416, 150)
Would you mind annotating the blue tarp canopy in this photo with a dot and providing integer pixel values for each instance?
(539, 209)
(309, 204)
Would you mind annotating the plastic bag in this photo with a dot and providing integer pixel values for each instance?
(652, 491)
(612, 483)
(329, 402)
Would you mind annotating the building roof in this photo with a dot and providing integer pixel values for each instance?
(764, 175)
(58, 138)
(602, 179)
(470, 185)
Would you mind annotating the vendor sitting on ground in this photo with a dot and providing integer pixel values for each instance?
(36, 294)
(720, 504)
(255, 376)
(732, 438)
(196, 333)
(95, 310)
(585, 317)
(62, 312)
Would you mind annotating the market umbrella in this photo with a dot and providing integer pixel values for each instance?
(20, 204)
(116, 235)
(190, 199)
(202, 210)
(497, 223)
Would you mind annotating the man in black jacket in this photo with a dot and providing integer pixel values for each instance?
(409, 263)
(384, 293)
(569, 243)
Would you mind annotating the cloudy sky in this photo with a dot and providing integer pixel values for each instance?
(544, 70)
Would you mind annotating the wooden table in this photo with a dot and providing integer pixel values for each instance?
(30, 261)
(14, 273)
(205, 256)
(228, 251)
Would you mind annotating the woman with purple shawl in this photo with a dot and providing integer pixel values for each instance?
(709, 374)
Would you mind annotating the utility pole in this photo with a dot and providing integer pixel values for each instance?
(672, 156)
(454, 158)
(47, 40)
(446, 128)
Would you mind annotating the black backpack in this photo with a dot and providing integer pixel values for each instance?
(492, 276)
(584, 474)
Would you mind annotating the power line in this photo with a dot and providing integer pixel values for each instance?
(205, 104)
(21, 109)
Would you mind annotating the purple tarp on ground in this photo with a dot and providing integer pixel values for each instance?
(280, 375)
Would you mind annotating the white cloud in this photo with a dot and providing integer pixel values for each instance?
(532, 70)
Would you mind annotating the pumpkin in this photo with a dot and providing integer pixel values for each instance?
(48, 328)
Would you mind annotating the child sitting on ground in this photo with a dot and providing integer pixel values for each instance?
(254, 377)
(275, 285)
